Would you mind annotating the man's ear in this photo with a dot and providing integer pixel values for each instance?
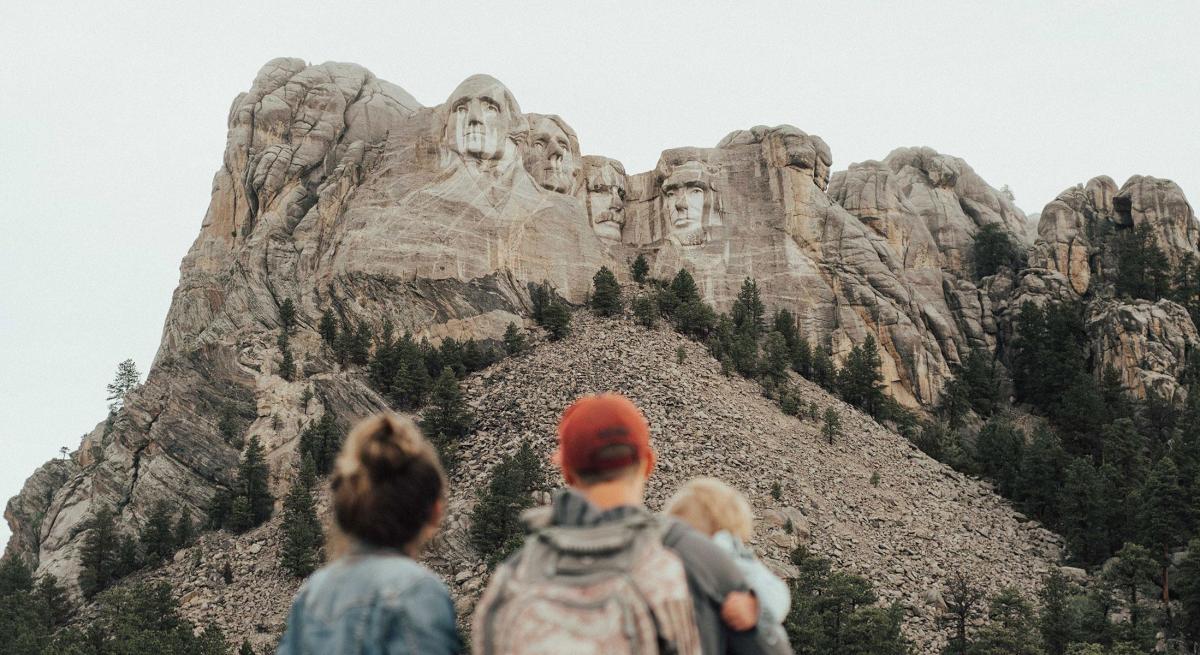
(651, 460)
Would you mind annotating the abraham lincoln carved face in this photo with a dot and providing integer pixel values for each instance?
(688, 198)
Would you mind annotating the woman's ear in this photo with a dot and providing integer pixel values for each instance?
(439, 512)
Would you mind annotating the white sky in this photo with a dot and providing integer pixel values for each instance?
(112, 123)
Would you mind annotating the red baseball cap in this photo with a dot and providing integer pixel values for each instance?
(593, 423)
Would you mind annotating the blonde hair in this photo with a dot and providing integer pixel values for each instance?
(710, 506)
(386, 482)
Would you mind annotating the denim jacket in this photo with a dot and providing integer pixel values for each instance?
(372, 602)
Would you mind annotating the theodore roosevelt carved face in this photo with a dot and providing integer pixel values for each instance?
(606, 189)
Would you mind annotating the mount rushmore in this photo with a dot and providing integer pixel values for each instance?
(340, 191)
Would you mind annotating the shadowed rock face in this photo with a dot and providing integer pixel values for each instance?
(340, 191)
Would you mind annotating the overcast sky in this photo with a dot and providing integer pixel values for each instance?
(113, 123)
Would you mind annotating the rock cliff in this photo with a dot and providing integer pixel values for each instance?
(340, 191)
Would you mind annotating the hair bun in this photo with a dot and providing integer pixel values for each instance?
(389, 449)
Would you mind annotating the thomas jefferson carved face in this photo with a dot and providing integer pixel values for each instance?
(552, 157)
(606, 189)
(483, 114)
(687, 197)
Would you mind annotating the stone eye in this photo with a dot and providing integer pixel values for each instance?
(493, 108)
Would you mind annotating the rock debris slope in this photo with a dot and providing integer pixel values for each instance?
(921, 522)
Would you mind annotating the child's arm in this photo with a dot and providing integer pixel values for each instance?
(739, 611)
(773, 593)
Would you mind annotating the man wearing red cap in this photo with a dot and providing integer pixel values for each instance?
(598, 557)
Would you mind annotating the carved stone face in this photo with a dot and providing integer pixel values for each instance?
(606, 189)
(482, 115)
(551, 158)
(687, 197)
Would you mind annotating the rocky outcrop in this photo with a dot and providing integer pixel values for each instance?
(1146, 343)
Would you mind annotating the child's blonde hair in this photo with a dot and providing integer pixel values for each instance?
(710, 506)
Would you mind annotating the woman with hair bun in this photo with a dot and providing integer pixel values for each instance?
(388, 495)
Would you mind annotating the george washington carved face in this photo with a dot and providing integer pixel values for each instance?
(688, 199)
(483, 115)
(606, 189)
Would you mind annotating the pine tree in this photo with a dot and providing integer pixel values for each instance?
(127, 379)
(1055, 621)
(514, 341)
(994, 249)
(645, 311)
(540, 298)
(1164, 517)
(744, 352)
(129, 557)
(410, 379)
(999, 449)
(211, 641)
(253, 502)
(287, 315)
(1042, 464)
(447, 414)
(860, 382)
(158, 543)
(328, 328)
(683, 287)
(695, 319)
(495, 521)
(220, 509)
(639, 269)
(1133, 569)
(53, 603)
(824, 373)
(98, 556)
(302, 536)
(287, 362)
(777, 357)
(246, 648)
(963, 600)
(185, 530)
(1084, 507)
(1143, 271)
(832, 428)
(748, 310)
(606, 293)
(557, 320)
(1011, 628)
(321, 441)
(360, 345)
(1187, 593)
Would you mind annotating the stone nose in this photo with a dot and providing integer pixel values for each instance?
(617, 202)
(553, 150)
(681, 204)
(474, 112)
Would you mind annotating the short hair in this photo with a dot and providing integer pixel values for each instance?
(710, 505)
(386, 482)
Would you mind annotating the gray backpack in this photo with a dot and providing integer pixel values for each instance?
(612, 589)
